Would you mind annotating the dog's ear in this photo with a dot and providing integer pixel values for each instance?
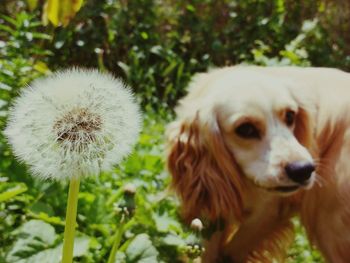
(303, 128)
(304, 124)
(204, 172)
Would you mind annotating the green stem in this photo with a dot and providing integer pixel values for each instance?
(117, 238)
(69, 230)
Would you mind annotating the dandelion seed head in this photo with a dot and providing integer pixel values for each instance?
(77, 128)
(73, 123)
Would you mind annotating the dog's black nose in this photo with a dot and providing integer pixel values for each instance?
(300, 171)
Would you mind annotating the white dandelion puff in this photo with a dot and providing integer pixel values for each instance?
(73, 123)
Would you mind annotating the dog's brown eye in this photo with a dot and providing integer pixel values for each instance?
(248, 131)
(290, 118)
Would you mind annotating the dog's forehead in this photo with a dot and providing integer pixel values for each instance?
(243, 90)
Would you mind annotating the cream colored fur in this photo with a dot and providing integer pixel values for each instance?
(219, 175)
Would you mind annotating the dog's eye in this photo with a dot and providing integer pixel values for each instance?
(290, 118)
(248, 131)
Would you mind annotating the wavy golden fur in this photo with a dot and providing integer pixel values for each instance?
(236, 132)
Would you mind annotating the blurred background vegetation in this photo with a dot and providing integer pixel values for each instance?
(155, 46)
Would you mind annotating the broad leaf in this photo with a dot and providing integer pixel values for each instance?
(8, 193)
(31, 237)
(141, 250)
(35, 242)
(165, 223)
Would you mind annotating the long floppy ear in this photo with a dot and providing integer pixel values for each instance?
(204, 172)
(304, 128)
(304, 125)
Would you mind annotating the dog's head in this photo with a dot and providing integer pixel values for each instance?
(238, 125)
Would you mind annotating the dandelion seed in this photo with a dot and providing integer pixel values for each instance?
(73, 123)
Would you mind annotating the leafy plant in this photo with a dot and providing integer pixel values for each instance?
(37, 242)
(21, 33)
(158, 50)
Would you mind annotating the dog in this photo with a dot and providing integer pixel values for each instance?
(252, 147)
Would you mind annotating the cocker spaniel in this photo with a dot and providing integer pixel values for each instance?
(252, 147)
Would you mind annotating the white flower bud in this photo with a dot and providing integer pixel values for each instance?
(197, 224)
(129, 188)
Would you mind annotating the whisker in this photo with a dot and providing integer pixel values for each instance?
(320, 181)
(321, 164)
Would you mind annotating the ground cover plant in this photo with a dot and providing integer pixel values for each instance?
(155, 46)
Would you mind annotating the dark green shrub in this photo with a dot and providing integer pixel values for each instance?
(158, 45)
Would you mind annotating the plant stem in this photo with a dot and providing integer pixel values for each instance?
(69, 230)
(117, 238)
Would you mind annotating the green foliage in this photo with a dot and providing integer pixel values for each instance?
(22, 55)
(158, 45)
(140, 250)
(21, 60)
(300, 251)
(37, 242)
(9, 191)
(151, 231)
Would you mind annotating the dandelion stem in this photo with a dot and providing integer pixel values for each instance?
(116, 242)
(69, 231)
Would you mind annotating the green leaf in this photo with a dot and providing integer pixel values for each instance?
(144, 35)
(32, 4)
(165, 223)
(141, 250)
(143, 212)
(9, 19)
(53, 220)
(35, 242)
(39, 230)
(42, 207)
(7, 29)
(169, 68)
(81, 246)
(173, 240)
(41, 67)
(3, 86)
(33, 236)
(12, 192)
(190, 8)
(2, 103)
(41, 36)
(53, 255)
